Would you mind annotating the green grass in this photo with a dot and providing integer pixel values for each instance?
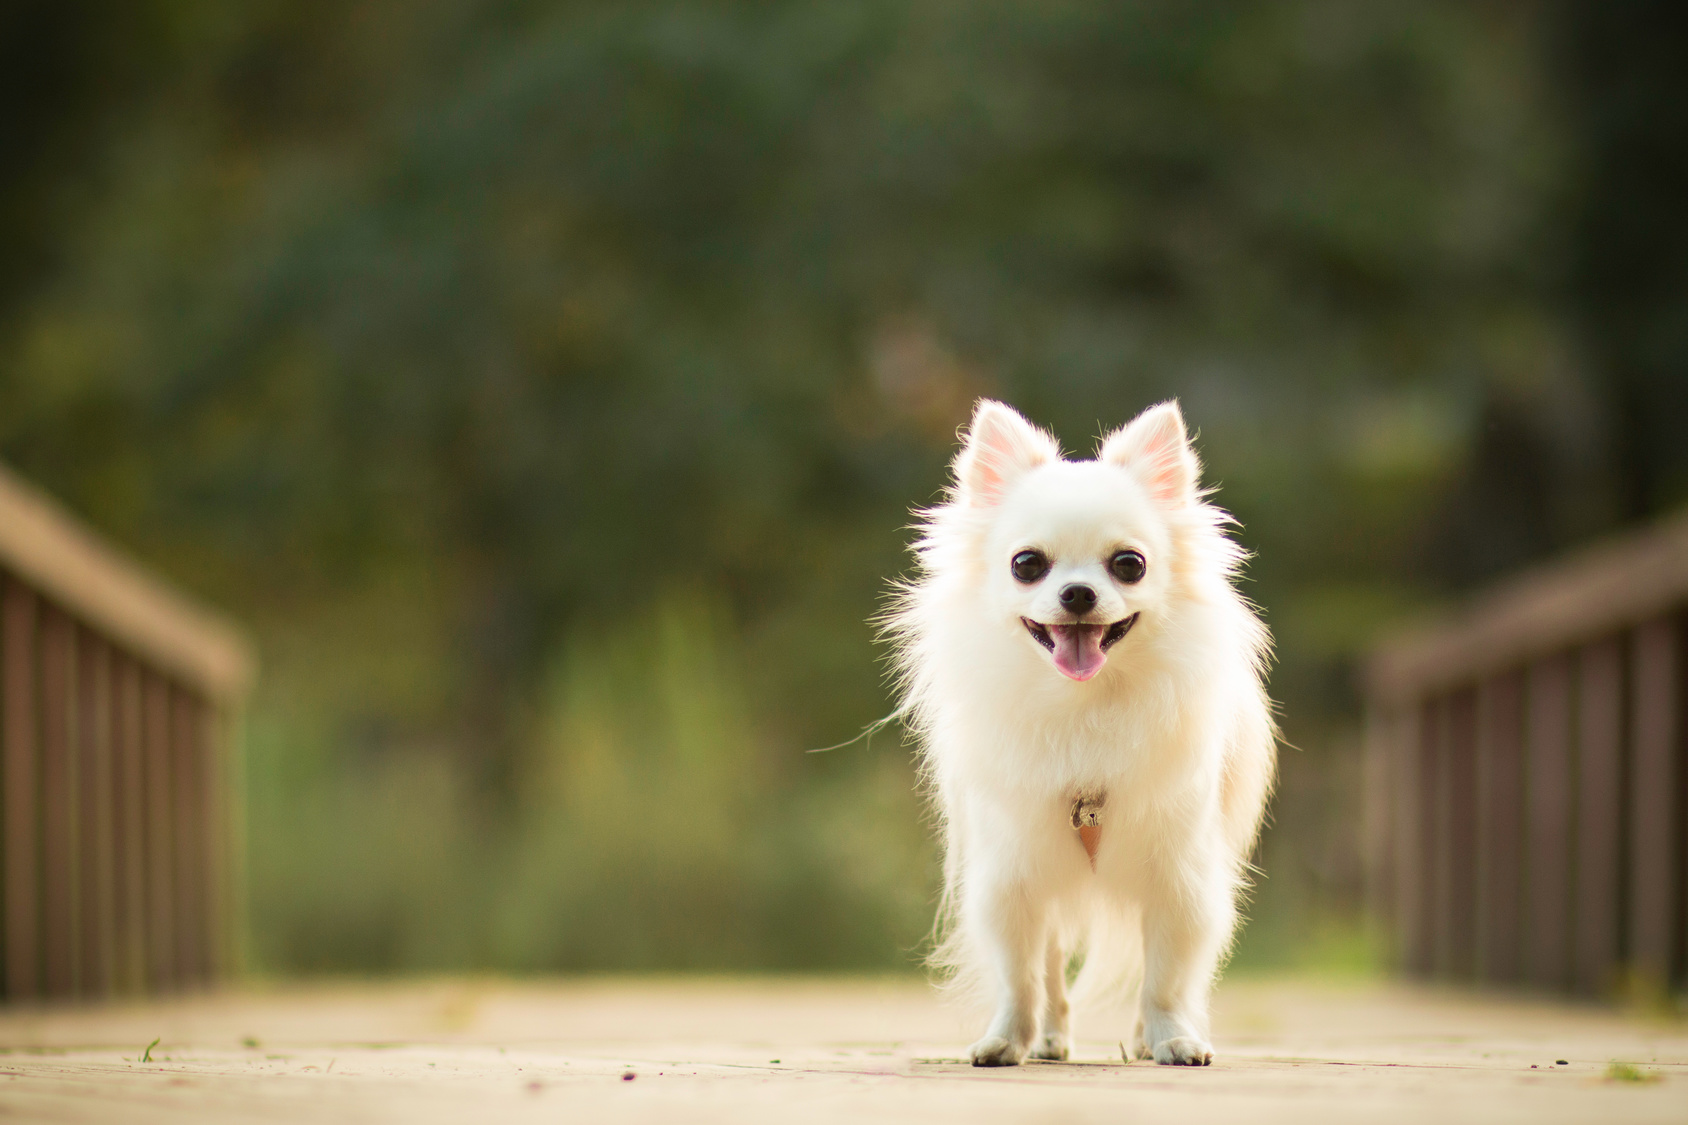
(656, 824)
(1629, 1072)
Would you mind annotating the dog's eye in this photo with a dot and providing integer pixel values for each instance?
(1029, 566)
(1128, 566)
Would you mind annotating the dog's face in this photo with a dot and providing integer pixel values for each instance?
(1075, 553)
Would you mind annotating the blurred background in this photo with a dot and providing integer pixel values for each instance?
(546, 384)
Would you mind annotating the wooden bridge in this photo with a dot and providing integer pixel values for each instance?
(118, 703)
(1527, 791)
(1528, 769)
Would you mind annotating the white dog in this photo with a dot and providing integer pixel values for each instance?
(1087, 686)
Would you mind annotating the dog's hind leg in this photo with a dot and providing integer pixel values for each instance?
(1056, 1038)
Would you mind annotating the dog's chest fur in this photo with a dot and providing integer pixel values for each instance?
(1144, 741)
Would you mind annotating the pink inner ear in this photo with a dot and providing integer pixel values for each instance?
(986, 484)
(992, 463)
(1155, 451)
(1000, 447)
(1165, 471)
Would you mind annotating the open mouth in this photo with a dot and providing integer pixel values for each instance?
(1080, 648)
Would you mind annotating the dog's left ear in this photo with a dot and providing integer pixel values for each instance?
(1154, 448)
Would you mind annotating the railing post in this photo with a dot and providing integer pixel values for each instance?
(97, 813)
(189, 828)
(1456, 836)
(160, 880)
(1417, 892)
(1500, 860)
(21, 800)
(60, 944)
(1599, 815)
(1380, 827)
(1655, 842)
(1548, 781)
(129, 824)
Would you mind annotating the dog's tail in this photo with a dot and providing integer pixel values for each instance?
(1112, 970)
(1108, 946)
(1107, 937)
(960, 967)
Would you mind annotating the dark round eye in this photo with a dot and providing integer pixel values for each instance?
(1029, 566)
(1128, 566)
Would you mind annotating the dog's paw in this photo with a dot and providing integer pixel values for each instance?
(1183, 1050)
(994, 1050)
(1052, 1047)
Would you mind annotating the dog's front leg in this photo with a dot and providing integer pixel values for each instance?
(1187, 921)
(1010, 928)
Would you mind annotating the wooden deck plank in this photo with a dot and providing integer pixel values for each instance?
(819, 1051)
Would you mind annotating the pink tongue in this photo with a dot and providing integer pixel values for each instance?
(1078, 650)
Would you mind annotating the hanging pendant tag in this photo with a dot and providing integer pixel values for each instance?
(1091, 837)
(1087, 818)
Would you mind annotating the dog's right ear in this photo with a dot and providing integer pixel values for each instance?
(1000, 446)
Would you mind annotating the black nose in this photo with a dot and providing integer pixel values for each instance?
(1078, 599)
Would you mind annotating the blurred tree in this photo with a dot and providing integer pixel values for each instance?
(1628, 70)
(64, 67)
(445, 339)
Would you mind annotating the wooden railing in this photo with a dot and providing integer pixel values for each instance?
(1528, 781)
(118, 707)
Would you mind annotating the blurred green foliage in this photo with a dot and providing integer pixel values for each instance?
(547, 383)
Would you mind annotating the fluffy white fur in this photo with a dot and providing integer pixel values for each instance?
(1174, 730)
